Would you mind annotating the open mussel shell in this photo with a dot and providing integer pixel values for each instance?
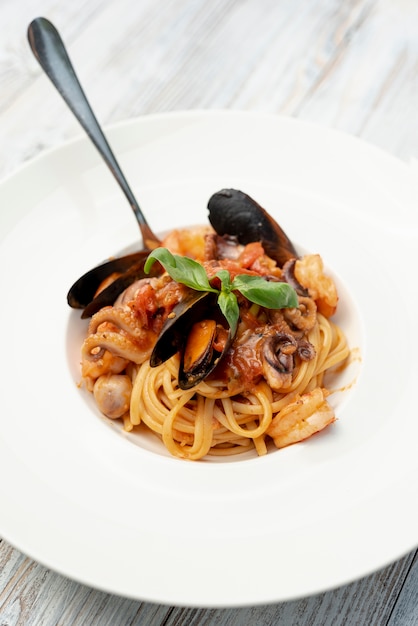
(183, 329)
(233, 213)
(129, 268)
(83, 290)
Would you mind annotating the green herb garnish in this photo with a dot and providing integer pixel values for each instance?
(271, 295)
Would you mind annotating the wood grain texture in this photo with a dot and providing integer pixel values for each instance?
(31, 595)
(350, 65)
(305, 59)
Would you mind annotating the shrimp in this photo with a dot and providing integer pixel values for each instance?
(309, 272)
(305, 416)
(187, 241)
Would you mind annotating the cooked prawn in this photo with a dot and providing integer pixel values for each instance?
(305, 416)
(309, 272)
(187, 241)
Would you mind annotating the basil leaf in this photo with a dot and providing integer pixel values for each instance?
(228, 304)
(272, 295)
(225, 278)
(181, 269)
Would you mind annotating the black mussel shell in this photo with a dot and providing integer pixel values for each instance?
(192, 308)
(195, 307)
(130, 267)
(234, 213)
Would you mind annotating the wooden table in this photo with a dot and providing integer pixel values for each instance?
(351, 65)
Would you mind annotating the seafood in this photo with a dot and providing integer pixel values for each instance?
(114, 339)
(234, 213)
(302, 317)
(112, 393)
(308, 414)
(309, 272)
(202, 340)
(127, 331)
(278, 353)
(89, 292)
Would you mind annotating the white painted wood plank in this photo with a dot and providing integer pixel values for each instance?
(28, 591)
(368, 602)
(371, 88)
(405, 612)
(243, 55)
(32, 595)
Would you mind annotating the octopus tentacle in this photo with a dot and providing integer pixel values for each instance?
(114, 339)
(123, 318)
(119, 345)
(304, 316)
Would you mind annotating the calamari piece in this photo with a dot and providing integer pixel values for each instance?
(112, 393)
(113, 341)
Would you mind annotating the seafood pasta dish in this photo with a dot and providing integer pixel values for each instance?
(219, 340)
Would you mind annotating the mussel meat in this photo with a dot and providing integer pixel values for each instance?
(198, 329)
(234, 213)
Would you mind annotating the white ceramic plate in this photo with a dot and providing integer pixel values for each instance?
(117, 513)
